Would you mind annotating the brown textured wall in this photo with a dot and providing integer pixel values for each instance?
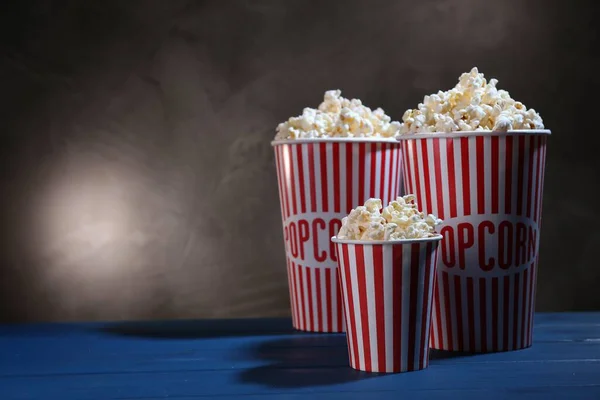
(137, 177)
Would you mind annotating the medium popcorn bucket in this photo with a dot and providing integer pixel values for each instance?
(487, 187)
(387, 292)
(320, 182)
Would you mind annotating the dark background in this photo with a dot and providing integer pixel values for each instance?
(137, 176)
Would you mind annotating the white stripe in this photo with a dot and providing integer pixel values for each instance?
(378, 171)
(429, 310)
(502, 172)
(515, 173)
(421, 176)
(489, 313)
(465, 313)
(367, 164)
(307, 177)
(388, 305)
(356, 307)
(334, 304)
(318, 191)
(296, 183)
(519, 327)
(444, 174)
(355, 178)
(526, 300)
(420, 300)
(473, 183)
(299, 297)
(323, 286)
(331, 185)
(453, 316)
(313, 279)
(370, 293)
(343, 171)
(406, 250)
(445, 345)
(511, 311)
(476, 316)
(398, 173)
(526, 186)
(501, 311)
(306, 304)
(534, 141)
(387, 171)
(434, 334)
(344, 277)
(487, 172)
(458, 183)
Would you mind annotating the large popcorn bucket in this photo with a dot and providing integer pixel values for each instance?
(387, 291)
(487, 187)
(320, 182)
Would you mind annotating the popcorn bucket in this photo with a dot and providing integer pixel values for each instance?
(487, 187)
(320, 181)
(387, 289)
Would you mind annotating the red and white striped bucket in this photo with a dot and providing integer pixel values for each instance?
(320, 182)
(387, 289)
(487, 187)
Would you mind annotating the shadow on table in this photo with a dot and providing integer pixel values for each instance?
(198, 329)
(303, 361)
(444, 354)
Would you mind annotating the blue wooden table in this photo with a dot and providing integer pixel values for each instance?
(266, 359)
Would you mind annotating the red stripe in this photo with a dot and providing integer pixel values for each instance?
(436, 298)
(438, 179)
(338, 297)
(292, 179)
(348, 171)
(352, 327)
(415, 163)
(426, 304)
(363, 306)
(324, 194)
(520, 166)
(524, 319)
(408, 183)
(373, 167)
(426, 175)
(309, 292)
(301, 177)
(506, 312)
(516, 297)
(319, 317)
(451, 176)
(285, 180)
(495, 314)
(362, 160)
(464, 154)
(543, 177)
(471, 310)
(537, 198)
(479, 155)
(296, 296)
(397, 304)
(531, 302)
(412, 316)
(508, 173)
(449, 324)
(382, 192)
(379, 304)
(459, 316)
(495, 169)
(531, 143)
(482, 313)
(398, 171)
(328, 295)
(302, 300)
(312, 176)
(292, 306)
(336, 177)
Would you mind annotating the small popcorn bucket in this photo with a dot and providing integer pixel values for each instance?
(487, 187)
(387, 291)
(320, 181)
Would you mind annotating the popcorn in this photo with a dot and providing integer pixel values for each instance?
(338, 117)
(473, 105)
(399, 220)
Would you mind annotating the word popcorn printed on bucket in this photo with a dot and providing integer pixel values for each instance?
(338, 117)
(473, 105)
(399, 220)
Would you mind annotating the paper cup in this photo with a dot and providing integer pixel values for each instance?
(320, 181)
(387, 290)
(487, 187)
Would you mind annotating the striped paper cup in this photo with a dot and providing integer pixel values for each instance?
(487, 187)
(320, 181)
(387, 291)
